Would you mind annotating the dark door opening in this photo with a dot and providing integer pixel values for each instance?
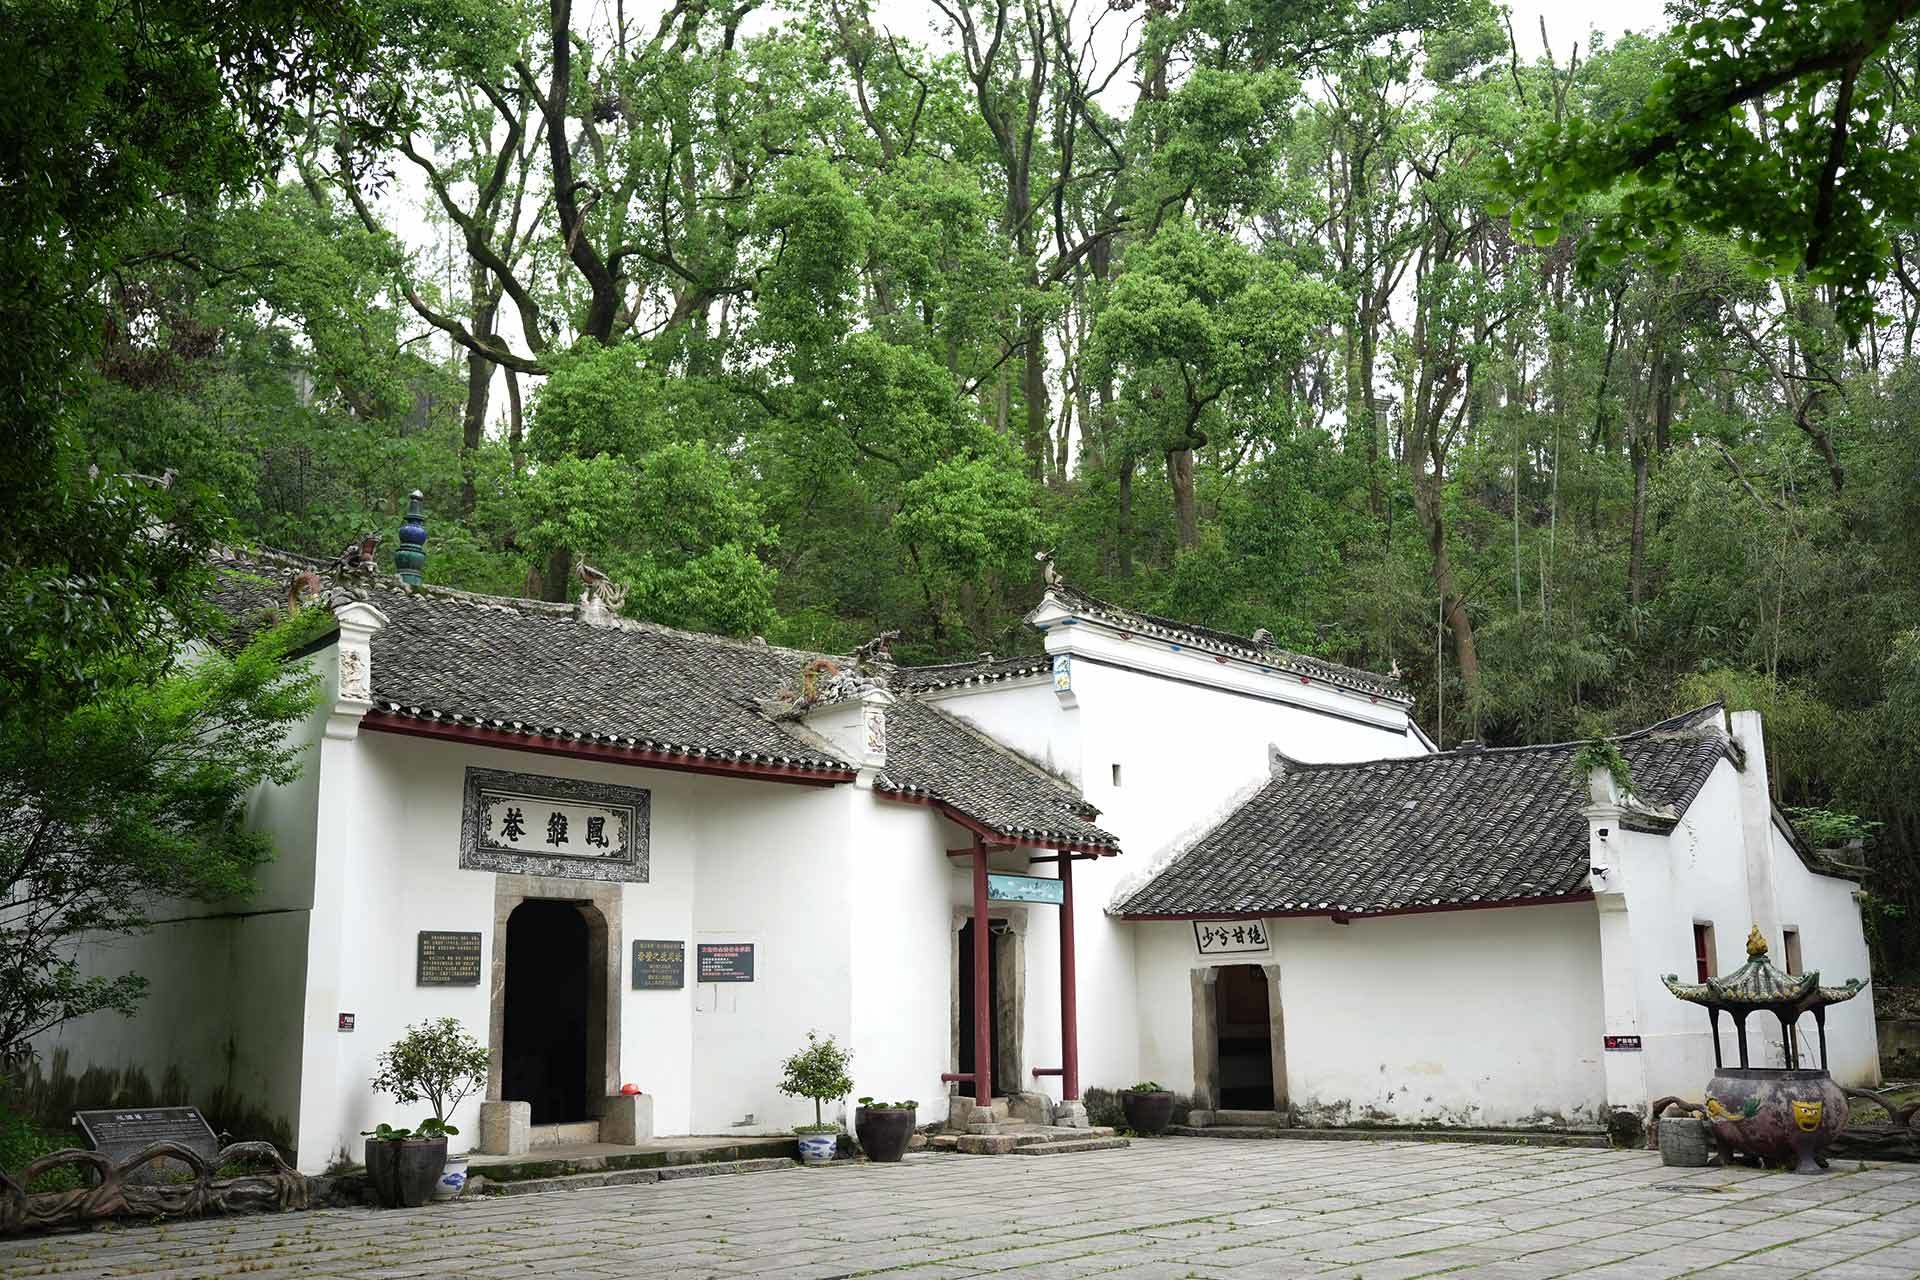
(543, 1059)
(1246, 1038)
(1000, 1084)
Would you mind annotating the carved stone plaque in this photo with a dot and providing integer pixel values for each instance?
(120, 1133)
(533, 825)
(447, 959)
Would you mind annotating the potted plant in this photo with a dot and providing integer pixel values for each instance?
(438, 1062)
(818, 1071)
(404, 1165)
(884, 1128)
(1149, 1108)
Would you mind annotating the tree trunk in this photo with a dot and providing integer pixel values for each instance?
(1180, 476)
(1125, 530)
(1637, 551)
(1427, 502)
(473, 420)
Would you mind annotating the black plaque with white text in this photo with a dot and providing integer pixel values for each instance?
(120, 1133)
(725, 961)
(447, 959)
(659, 964)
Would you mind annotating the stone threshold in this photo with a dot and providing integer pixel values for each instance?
(483, 1185)
(1587, 1139)
(596, 1158)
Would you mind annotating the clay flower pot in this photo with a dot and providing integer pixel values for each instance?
(403, 1174)
(1148, 1113)
(884, 1132)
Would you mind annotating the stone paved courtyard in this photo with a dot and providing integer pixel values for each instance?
(1173, 1208)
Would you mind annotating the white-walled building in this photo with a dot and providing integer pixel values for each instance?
(623, 854)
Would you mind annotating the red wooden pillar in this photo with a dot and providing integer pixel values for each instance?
(1069, 1013)
(982, 989)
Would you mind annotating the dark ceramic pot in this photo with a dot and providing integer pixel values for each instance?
(884, 1132)
(1783, 1118)
(381, 1159)
(1148, 1113)
(403, 1174)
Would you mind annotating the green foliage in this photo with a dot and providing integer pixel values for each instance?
(438, 1061)
(136, 795)
(1773, 122)
(1602, 753)
(819, 1072)
(1147, 1086)
(871, 1105)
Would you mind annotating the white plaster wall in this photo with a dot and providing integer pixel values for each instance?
(1023, 716)
(773, 870)
(390, 837)
(1695, 874)
(1833, 943)
(1462, 1018)
(899, 884)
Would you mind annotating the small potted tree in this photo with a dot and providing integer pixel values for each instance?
(884, 1129)
(1149, 1108)
(818, 1071)
(438, 1062)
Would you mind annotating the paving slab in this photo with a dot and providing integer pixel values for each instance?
(1176, 1208)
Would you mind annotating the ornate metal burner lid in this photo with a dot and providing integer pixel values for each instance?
(1757, 984)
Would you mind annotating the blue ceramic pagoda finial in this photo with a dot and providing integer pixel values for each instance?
(410, 557)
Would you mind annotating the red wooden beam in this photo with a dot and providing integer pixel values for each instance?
(1069, 1006)
(982, 1005)
(639, 757)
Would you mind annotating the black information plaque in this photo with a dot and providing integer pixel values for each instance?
(447, 959)
(659, 964)
(118, 1134)
(724, 961)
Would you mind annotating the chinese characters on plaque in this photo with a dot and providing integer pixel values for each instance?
(1229, 937)
(659, 964)
(525, 823)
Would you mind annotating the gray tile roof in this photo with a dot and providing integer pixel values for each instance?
(1456, 828)
(1207, 639)
(532, 668)
(934, 756)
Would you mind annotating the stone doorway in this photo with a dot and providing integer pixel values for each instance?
(1246, 1039)
(555, 1034)
(548, 999)
(1239, 1045)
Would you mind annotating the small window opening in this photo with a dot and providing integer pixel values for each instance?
(1116, 775)
(1704, 963)
(1793, 951)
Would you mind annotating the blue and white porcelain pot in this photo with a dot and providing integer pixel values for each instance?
(818, 1148)
(453, 1178)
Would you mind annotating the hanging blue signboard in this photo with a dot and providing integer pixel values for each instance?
(1043, 889)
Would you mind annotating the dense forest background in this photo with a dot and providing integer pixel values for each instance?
(807, 330)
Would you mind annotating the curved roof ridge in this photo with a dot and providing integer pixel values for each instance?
(1685, 720)
(1244, 647)
(560, 610)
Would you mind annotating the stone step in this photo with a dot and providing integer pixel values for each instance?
(1587, 1139)
(479, 1184)
(564, 1135)
(1071, 1146)
(1252, 1119)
